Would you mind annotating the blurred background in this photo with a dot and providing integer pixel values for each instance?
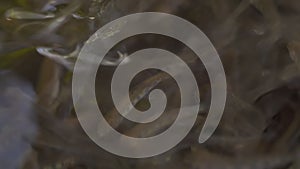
(258, 42)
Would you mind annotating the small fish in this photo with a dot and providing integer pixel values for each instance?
(59, 58)
(122, 58)
(17, 13)
(61, 18)
(97, 8)
(48, 86)
(294, 50)
(51, 5)
(268, 8)
(113, 117)
(150, 129)
(78, 15)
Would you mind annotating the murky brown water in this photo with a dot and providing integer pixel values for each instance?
(258, 42)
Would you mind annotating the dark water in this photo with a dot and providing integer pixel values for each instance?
(258, 42)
